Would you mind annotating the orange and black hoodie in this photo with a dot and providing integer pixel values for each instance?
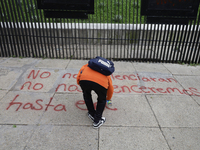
(86, 73)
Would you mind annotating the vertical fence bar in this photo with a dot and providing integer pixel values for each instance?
(2, 41)
(155, 45)
(24, 33)
(83, 37)
(108, 30)
(197, 47)
(58, 40)
(170, 32)
(133, 39)
(180, 43)
(44, 38)
(16, 23)
(9, 32)
(197, 60)
(32, 6)
(33, 33)
(20, 34)
(173, 36)
(167, 44)
(38, 19)
(12, 24)
(76, 40)
(64, 44)
(125, 35)
(129, 50)
(190, 50)
(51, 36)
(162, 51)
(29, 30)
(73, 28)
(48, 53)
(186, 43)
(176, 51)
(24, 30)
(111, 32)
(3, 33)
(70, 54)
(152, 41)
(79, 42)
(191, 57)
(54, 39)
(89, 48)
(62, 39)
(100, 35)
(114, 29)
(139, 49)
(104, 32)
(183, 43)
(149, 41)
(159, 42)
(118, 28)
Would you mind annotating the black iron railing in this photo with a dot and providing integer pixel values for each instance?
(116, 30)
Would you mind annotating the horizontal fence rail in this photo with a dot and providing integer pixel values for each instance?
(115, 31)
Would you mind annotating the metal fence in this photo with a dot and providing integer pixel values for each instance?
(116, 30)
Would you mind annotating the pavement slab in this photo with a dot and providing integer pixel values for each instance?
(23, 107)
(139, 138)
(37, 80)
(63, 137)
(178, 69)
(175, 111)
(8, 77)
(124, 67)
(64, 106)
(15, 137)
(17, 62)
(197, 99)
(2, 93)
(2, 59)
(190, 83)
(154, 106)
(146, 83)
(52, 63)
(129, 110)
(67, 82)
(183, 138)
(76, 64)
(151, 67)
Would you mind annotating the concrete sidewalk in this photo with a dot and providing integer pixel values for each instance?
(155, 106)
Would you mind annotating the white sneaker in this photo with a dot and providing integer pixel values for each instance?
(101, 122)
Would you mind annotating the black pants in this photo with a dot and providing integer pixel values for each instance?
(87, 87)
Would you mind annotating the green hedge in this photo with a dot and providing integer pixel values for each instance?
(106, 11)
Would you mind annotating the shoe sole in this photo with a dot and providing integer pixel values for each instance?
(99, 125)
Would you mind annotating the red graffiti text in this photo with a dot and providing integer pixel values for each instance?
(38, 105)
